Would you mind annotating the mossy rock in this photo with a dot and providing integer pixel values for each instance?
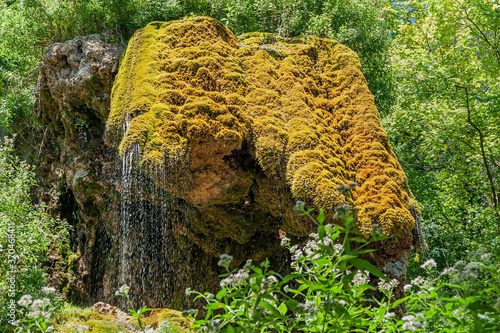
(95, 322)
(190, 96)
(174, 317)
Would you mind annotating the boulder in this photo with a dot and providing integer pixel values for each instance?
(204, 145)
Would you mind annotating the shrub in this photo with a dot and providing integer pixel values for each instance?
(27, 236)
(328, 291)
(331, 290)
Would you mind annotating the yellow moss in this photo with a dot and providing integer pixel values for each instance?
(158, 316)
(95, 322)
(303, 105)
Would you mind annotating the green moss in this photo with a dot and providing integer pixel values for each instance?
(191, 93)
(98, 323)
(158, 316)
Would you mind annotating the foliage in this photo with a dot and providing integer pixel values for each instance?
(363, 25)
(446, 123)
(37, 314)
(329, 289)
(438, 91)
(332, 290)
(27, 28)
(462, 298)
(27, 234)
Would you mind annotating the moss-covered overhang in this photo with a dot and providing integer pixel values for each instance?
(189, 93)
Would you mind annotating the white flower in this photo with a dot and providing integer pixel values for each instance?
(407, 287)
(394, 283)
(429, 264)
(386, 286)
(235, 280)
(269, 282)
(389, 315)
(123, 290)
(311, 249)
(285, 241)
(25, 300)
(296, 256)
(225, 260)
(337, 249)
(486, 256)
(33, 314)
(48, 290)
(418, 281)
(248, 264)
(449, 271)
(359, 279)
(308, 306)
(410, 323)
(38, 304)
(46, 315)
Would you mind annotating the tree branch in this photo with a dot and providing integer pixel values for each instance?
(483, 153)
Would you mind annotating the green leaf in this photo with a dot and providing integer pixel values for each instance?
(291, 276)
(266, 305)
(321, 217)
(291, 303)
(283, 308)
(321, 232)
(143, 310)
(221, 294)
(397, 302)
(362, 264)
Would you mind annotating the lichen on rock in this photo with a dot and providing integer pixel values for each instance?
(190, 94)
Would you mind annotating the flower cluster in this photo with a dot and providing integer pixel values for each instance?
(39, 310)
(429, 264)
(387, 287)
(123, 291)
(410, 323)
(225, 260)
(236, 279)
(360, 279)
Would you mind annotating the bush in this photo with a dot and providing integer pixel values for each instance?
(332, 289)
(27, 236)
(329, 290)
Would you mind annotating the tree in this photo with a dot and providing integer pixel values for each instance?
(446, 123)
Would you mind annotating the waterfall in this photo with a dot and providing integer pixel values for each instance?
(149, 219)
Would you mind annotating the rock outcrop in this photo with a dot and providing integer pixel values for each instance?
(203, 147)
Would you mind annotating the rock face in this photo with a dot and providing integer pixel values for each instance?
(73, 99)
(203, 147)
